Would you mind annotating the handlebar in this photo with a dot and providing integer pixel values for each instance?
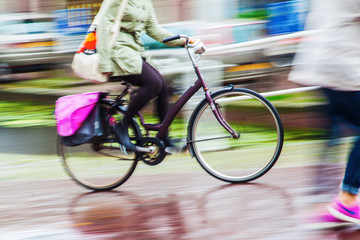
(169, 39)
(198, 46)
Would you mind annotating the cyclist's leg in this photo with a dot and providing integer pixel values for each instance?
(162, 101)
(151, 84)
(162, 104)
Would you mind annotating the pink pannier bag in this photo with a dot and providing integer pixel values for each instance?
(71, 111)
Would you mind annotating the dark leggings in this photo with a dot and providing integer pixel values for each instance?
(345, 106)
(151, 84)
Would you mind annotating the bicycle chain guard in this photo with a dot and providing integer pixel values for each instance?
(155, 157)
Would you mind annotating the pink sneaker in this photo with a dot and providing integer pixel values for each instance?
(345, 213)
(324, 221)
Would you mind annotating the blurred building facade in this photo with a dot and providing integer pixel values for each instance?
(168, 10)
(7, 6)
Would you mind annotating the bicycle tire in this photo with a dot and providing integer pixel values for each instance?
(236, 160)
(95, 170)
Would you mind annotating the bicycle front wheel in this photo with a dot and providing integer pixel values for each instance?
(99, 165)
(253, 153)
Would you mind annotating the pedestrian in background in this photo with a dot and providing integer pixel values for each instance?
(331, 59)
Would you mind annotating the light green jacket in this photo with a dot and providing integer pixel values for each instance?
(125, 57)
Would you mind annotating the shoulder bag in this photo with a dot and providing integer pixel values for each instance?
(86, 60)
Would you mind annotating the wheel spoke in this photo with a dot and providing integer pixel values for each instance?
(210, 139)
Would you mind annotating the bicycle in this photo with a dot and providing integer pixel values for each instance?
(235, 134)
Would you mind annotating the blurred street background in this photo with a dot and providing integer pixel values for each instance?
(250, 44)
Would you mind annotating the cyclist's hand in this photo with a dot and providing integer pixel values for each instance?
(191, 41)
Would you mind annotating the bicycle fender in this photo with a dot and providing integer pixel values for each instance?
(213, 94)
(225, 89)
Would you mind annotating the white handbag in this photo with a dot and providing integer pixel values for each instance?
(85, 63)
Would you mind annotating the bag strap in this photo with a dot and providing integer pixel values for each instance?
(117, 25)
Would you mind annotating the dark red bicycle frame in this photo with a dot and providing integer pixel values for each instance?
(162, 128)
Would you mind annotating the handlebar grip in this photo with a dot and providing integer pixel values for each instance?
(165, 40)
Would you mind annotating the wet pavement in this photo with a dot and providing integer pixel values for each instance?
(169, 206)
(162, 206)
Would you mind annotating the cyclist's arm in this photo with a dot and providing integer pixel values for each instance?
(103, 35)
(154, 30)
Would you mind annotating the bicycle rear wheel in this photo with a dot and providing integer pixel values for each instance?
(99, 165)
(236, 160)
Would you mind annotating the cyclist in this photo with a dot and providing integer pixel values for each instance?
(127, 60)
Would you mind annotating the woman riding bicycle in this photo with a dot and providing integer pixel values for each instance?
(221, 128)
(127, 60)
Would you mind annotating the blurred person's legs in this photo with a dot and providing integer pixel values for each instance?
(151, 84)
(347, 106)
(324, 179)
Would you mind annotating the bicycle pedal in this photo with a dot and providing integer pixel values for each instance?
(174, 150)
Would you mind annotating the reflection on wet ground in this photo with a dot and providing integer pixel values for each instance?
(156, 207)
(164, 206)
(125, 216)
(222, 211)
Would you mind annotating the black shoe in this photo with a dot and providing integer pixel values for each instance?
(123, 137)
(168, 142)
